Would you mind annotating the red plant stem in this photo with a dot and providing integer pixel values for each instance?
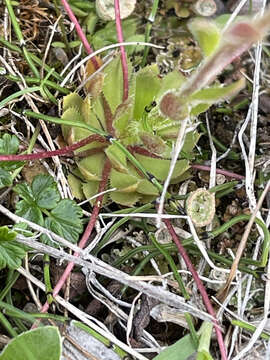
(86, 234)
(80, 32)
(200, 286)
(122, 48)
(219, 171)
(66, 151)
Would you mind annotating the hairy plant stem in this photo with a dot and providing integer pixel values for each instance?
(200, 286)
(86, 234)
(122, 49)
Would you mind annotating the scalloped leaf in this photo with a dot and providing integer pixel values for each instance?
(90, 189)
(72, 100)
(91, 166)
(126, 199)
(6, 234)
(75, 186)
(123, 182)
(117, 158)
(113, 83)
(148, 85)
(200, 206)
(145, 187)
(153, 143)
(64, 220)
(160, 167)
(206, 33)
(11, 254)
(70, 134)
(94, 85)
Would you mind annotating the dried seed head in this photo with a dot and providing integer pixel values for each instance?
(200, 206)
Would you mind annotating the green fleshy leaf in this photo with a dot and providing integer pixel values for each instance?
(72, 134)
(173, 80)
(91, 166)
(75, 186)
(11, 254)
(199, 109)
(9, 144)
(123, 182)
(146, 188)
(72, 100)
(43, 343)
(64, 220)
(148, 85)
(206, 33)
(124, 112)
(125, 199)
(215, 94)
(160, 167)
(5, 178)
(6, 234)
(90, 189)
(153, 143)
(117, 158)
(113, 84)
(191, 140)
(183, 347)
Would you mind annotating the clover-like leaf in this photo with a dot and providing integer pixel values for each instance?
(43, 192)
(9, 144)
(11, 252)
(5, 178)
(64, 220)
(29, 212)
(6, 234)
